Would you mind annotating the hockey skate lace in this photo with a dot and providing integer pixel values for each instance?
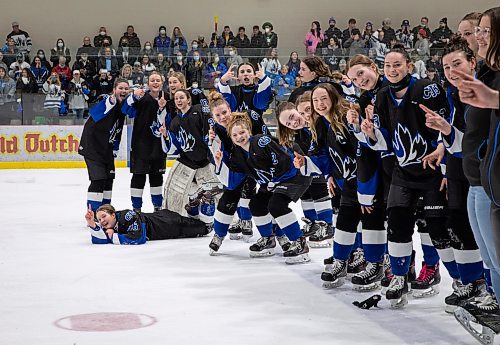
(488, 304)
(217, 240)
(464, 290)
(337, 267)
(370, 270)
(282, 240)
(396, 283)
(426, 273)
(261, 242)
(358, 258)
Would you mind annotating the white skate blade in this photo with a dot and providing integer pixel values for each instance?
(431, 291)
(247, 238)
(321, 244)
(399, 303)
(263, 253)
(482, 333)
(299, 259)
(235, 236)
(383, 290)
(450, 309)
(334, 284)
(368, 287)
(213, 252)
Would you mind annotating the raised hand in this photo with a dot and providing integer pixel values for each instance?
(218, 158)
(162, 102)
(139, 92)
(476, 93)
(298, 161)
(89, 217)
(211, 133)
(260, 72)
(229, 74)
(434, 121)
(352, 115)
(163, 130)
(112, 99)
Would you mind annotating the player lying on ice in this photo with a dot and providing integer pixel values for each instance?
(130, 227)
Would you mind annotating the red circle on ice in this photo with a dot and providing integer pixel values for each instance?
(105, 322)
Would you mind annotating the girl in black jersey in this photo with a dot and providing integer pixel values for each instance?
(293, 128)
(177, 81)
(100, 141)
(192, 173)
(280, 182)
(458, 56)
(312, 68)
(146, 154)
(398, 125)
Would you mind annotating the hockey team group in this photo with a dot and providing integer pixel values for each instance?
(367, 168)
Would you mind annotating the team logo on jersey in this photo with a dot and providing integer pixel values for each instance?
(196, 92)
(186, 140)
(431, 91)
(264, 141)
(129, 215)
(254, 115)
(264, 129)
(339, 137)
(243, 106)
(376, 120)
(114, 132)
(211, 122)
(273, 158)
(347, 166)
(264, 176)
(409, 150)
(155, 129)
(204, 105)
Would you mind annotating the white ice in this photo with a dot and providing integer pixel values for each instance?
(50, 270)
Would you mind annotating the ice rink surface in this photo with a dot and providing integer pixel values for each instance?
(49, 271)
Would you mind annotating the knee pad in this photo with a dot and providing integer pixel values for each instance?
(348, 218)
(138, 181)
(97, 186)
(438, 232)
(259, 203)
(374, 220)
(278, 205)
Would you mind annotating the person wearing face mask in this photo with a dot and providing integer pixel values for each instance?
(441, 36)
(132, 40)
(64, 72)
(179, 63)
(162, 42)
(332, 31)
(99, 38)
(424, 21)
(233, 59)
(109, 62)
(17, 66)
(41, 54)
(147, 49)
(88, 49)
(162, 65)
(214, 70)
(54, 95)
(59, 50)
(270, 38)
(195, 71)
(26, 84)
(195, 47)
(125, 54)
(314, 38)
(85, 63)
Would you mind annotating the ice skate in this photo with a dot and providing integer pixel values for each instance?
(246, 230)
(309, 227)
(263, 247)
(397, 292)
(335, 276)
(328, 262)
(463, 293)
(235, 230)
(209, 227)
(370, 278)
(386, 279)
(284, 242)
(323, 237)
(356, 263)
(298, 252)
(481, 320)
(215, 244)
(205, 193)
(427, 283)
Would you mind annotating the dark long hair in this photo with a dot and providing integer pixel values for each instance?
(492, 57)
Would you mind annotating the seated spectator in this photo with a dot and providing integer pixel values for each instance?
(441, 36)
(195, 71)
(133, 41)
(432, 75)
(332, 31)
(103, 83)
(214, 70)
(78, 94)
(124, 55)
(126, 73)
(355, 44)
(436, 63)
(367, 32)
(343, 66)
(233, 59)
(404, 35)
(85, 66)
(17, 66)
(162, 65)
(298, 82)
(147, 66)
(41, 54)
(314, 38)
(178, 42)
(348, 33)
(271, 64)
(105, 44)
(2, 63)
(146, 50)
(162, 42)
(256, 46)
(54, 95)
(417, 68)
(59, 50)
(241, 42)
(138, 74)
(284, 83)
(22, 40)
(422, 45)
(179, 63)
(389, 32)
(87, 49)
(216, 47)
(63, 73)
(194, 48)
(380, 48)
(227, 37)
(332, 53)
(270, 38)
(108, 62)
(344, 81)
(203, 48)
(26, 83)
(9, 51)
(7, 88)
(103, 35)
(424, 21)
(293, 64)
(39, 71)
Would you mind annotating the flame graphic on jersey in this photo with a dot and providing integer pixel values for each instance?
(186, 140)
(409, 150)
(155, 128)
(264, 176)
(347, 166)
